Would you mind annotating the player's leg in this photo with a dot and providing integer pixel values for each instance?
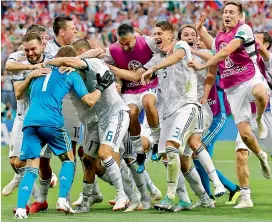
(135, 105)
(241, 110)
(149, 101)
(111, 136)
(175, 132)
(60, 143)
(30, 153)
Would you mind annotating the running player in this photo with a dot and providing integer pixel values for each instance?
(241, 78)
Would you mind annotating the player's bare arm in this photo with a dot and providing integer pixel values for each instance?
(133, 76)
(73, 62)
(13, 66)
(21, 86)
(209, 82)
(221, 55)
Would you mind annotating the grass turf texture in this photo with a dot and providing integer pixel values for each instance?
(224, 159)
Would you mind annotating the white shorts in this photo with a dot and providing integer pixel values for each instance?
(111, 133)
(91, 141)
(204, 120)
(137, 99)
(266, 143)
(71, 121)
(16, 137)
(179, 127)
(239, 98)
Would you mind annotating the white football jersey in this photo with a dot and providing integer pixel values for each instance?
(110, 101)
(179, 85)
(19, 56)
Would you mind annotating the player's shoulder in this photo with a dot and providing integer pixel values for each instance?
(18, 56)
(181, 44)
(243, 29)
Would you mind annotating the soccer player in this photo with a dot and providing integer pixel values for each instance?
(21, 63)
(241, 78)
(242, 151)
(189, 34)
(179, 101)
(44, 123)
(130, 52)
(113, 119)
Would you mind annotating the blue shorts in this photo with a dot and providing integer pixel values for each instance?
(35, 137)
(214, 131)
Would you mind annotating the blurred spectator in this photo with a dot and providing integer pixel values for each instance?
(100, 19)
(7, 112)
(7, 93)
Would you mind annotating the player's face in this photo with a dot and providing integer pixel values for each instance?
(231, 16)
(69, 32)
(33, 50)
(127, 42)
(162, 38)
(200, 44)
(189, 35)
(44, 38)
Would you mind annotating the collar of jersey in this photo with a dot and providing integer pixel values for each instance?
(57, 43)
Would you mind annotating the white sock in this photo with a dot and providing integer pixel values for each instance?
(165, 162)
(37, 193)
(206, 161)
(181, 189)
(140, 181)
(137, 143)
(155, 132)
(87, 191)
(245, 193)
(105, 177)
(128, 188)
(150, 185)
(173, 171)
(96, 189)
(194, 180)
(44, 187)
(113, 171)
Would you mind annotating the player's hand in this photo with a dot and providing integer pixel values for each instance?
(169, 48)
(147, 75)
(203, 100)
(195, 65)
(105, 81)
(118, 87)
(199, 25)
(40, 72)
(93, 53)
(64, 69)
(37, 66)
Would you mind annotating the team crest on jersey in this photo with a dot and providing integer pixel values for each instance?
(228, 62)
(134, 65)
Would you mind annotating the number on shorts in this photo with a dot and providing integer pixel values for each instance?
(95, 146)
(177, 133)
(109, 136)
(77, 130)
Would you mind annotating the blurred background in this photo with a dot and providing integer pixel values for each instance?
(100, 20)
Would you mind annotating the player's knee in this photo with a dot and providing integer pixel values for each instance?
(104, 152)
(18, 163)
(68, 156)
(246, 137)
(259, 92)
(149, 102)
(80, 151)
(99, 168)
(87, 162)
(134, 112)
(194, 143)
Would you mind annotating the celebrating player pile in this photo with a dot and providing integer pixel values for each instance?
(65, 82)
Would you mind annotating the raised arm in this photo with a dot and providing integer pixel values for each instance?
(202, 31)
(209, 82)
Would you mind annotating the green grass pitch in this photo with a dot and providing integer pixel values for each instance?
(224, 159)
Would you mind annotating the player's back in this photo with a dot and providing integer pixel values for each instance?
(46, 97)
